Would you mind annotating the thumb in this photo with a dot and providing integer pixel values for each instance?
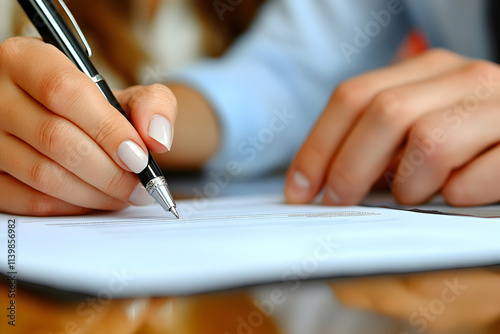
(152, 111)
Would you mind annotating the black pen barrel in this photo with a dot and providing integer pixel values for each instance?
(41, 13)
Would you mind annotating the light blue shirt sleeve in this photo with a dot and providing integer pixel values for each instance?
(272, 85)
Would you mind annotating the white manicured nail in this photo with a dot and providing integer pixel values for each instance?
(332, 195)
(136, 308)
(160, 130)
(140, 196)
(301, 182)
(133, 156)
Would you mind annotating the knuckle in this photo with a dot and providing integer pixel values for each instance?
(57, 86)
(437, 152)
(45, 177)
(53, 135)
(108, 128)
(480, 67)
(389, 107)
(348, 92)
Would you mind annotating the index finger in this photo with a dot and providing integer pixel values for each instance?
(53, 80)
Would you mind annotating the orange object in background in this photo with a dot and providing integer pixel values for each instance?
(412, 46)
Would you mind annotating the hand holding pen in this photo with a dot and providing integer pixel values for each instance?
(64, 149)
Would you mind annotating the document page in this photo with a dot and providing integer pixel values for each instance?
(236, 241)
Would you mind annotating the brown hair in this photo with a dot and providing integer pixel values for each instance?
(110, 20)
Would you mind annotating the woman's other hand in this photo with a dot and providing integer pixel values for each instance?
(434, 117)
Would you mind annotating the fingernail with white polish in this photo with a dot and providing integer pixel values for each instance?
(136, 308)
(160, 130)
(301, 181)
(140, 196)
(133, 156)
(332, 196)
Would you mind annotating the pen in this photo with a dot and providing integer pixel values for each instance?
(54, 30)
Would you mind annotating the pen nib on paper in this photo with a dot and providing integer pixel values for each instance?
(174, 211)
(159, 190)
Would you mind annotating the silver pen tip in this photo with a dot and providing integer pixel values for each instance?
(174, 211)
(158, 188)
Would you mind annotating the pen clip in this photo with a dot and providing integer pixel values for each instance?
(88, 50)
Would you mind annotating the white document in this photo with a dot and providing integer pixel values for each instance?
(231, 242)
